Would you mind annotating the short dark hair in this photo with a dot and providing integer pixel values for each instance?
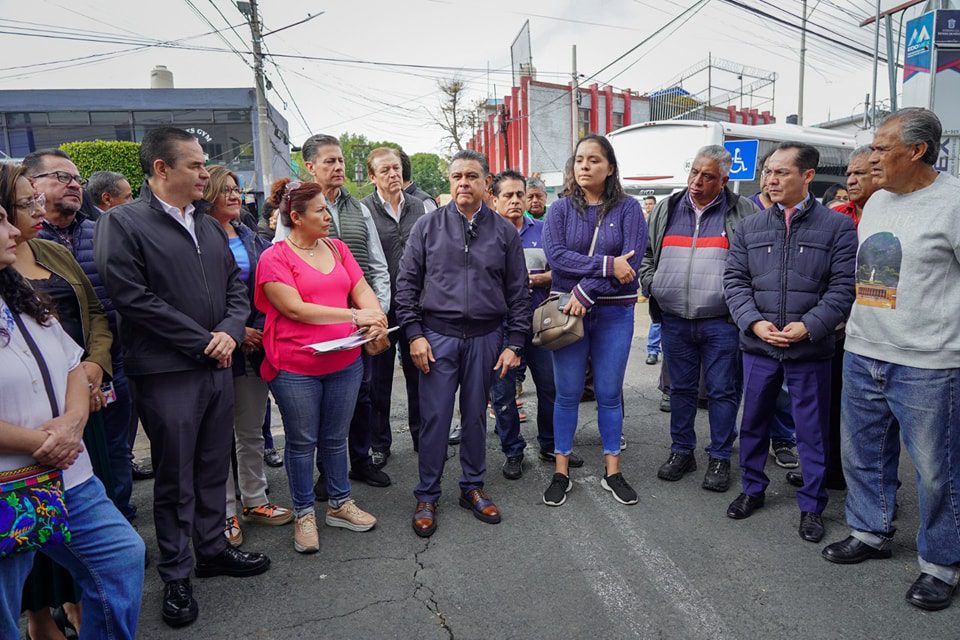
(33, 162)
(807, 156)
(645, 198)
(406, 173)
(161, 144)
(101, 182)
(475, 156)
(506, 174)
(313, 144)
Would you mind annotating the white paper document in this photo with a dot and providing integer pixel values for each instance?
(352, 341)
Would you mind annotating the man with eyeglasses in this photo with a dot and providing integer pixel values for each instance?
(58, 181)
(683, 271)
(789, 284)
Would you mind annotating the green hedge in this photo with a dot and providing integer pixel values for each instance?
(107, 155)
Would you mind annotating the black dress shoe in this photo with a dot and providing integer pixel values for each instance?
(652, 358)
(795, 478)
(272, 458)
(179, 607)
(851, 551)
(677, 465)
(371, 475)
(930, 593)
(811, 526)
(141, 470)
(743, 506)
(233, 562)
(717, 477)
(573, 460)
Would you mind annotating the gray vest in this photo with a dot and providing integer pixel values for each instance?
(353, 230)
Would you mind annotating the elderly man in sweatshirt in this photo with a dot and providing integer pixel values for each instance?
(901, 373)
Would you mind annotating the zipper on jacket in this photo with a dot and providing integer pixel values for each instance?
(466, 274)
(783, 284)
(206, 287)
(693, 248)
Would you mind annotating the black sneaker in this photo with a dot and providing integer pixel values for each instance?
(785, 455)
(556, 493)
(513, 468)
(622, 492)
(573, 460)
(676, 466)
(320, 489)
(717, 477)
(665, 402)
(272, 458)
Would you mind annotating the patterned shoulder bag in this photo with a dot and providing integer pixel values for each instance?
(33, 511)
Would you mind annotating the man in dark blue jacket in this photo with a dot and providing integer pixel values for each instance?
(789, 282)
(462, 279)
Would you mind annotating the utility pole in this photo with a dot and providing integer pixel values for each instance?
(876, 64)
(264, 130)
(574, 104)
(803, 62)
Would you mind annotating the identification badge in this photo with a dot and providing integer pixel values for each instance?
(109, 394)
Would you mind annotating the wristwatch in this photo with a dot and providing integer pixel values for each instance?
(517, 350)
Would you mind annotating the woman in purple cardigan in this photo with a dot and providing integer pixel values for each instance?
(594, 240)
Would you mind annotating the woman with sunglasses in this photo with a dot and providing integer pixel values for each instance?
(104, 554)
(249, 389)
(312, 290)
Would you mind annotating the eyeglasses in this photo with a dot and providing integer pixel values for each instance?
(36, 201)
(62, 177)
(230, 191)
(779, 173)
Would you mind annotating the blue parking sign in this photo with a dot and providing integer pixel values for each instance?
(744, 154)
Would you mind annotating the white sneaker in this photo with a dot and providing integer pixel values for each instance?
(306, 538)
(350, 516)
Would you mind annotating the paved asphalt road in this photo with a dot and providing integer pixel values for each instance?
(672, 566)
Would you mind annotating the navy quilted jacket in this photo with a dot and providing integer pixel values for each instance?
(806, 275)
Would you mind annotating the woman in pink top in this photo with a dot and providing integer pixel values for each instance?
(312, 290)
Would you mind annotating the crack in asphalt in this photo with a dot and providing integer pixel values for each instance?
(429, 600)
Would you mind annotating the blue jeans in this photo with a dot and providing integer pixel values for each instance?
(118, 421)
(715, 343)
(607, 334)
(316, 412)
(653, 338)
(105, 558)
(504, 396)
(882, 401)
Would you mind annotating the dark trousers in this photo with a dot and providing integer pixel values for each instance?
(119, 420)
(809, 385)
(381, 437)
(834, 460)
(466, 363)
(188, 417)
(504, 402)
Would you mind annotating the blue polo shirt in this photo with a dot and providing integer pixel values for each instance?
(534, 256)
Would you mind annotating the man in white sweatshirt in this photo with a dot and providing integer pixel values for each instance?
(901, 372)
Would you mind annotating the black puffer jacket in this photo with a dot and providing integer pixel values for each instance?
(806, 276)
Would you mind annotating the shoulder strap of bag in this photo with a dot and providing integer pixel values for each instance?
(41, 363)
(334, 249)
(596, 232)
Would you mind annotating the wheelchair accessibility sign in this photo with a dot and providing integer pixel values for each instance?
(744, 154)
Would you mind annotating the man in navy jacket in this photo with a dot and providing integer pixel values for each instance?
(789, 282)
(462, 281)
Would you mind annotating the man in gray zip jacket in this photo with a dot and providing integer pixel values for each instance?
(683, 270)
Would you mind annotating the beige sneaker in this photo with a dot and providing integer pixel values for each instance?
(306, 539)
(350, 516)
(232, 531)
(269, 514)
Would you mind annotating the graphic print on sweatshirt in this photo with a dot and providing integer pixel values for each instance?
(878, 270)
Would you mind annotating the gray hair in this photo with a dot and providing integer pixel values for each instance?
(313, 144)
(919, 125)
(719, 155)
(862, 150)
(476, 156)
(101, 182)
(536, 183)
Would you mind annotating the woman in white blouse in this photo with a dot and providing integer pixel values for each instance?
(105, 554)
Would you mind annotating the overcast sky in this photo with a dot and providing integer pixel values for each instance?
(392, 102)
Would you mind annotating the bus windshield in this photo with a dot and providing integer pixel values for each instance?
(655, 160)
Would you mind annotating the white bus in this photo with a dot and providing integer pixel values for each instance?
(655, 157)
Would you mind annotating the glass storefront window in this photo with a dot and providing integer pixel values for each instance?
(68, 117)
(152, 117)
(192, 115)
(110, 117)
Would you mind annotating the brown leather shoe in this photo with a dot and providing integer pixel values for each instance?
(425, 519)
(482, 506)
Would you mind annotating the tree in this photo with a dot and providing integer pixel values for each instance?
(430, 172)
(107, 155)
(457, 116)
